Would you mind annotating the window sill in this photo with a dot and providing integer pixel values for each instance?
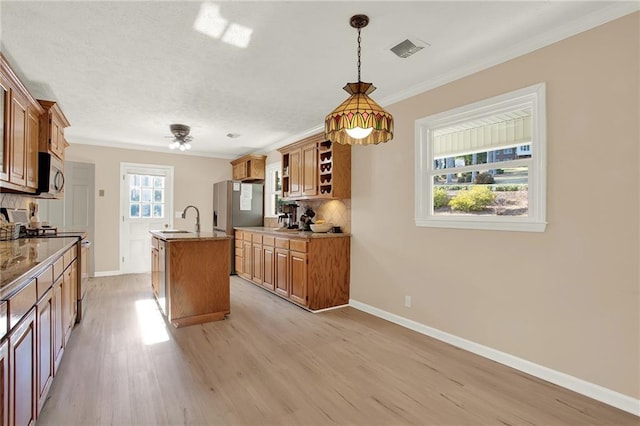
(484, 224)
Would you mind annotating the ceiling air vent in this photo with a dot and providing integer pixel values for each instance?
(408, 47)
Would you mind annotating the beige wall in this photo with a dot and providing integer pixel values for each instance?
(193, 179)
(568, 298)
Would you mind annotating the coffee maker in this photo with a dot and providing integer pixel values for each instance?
(288, 215)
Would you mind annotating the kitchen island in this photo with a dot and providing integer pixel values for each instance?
(190, 275)
(309, 269)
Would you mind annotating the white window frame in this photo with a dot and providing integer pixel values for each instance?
(533, 97)
(270, 189)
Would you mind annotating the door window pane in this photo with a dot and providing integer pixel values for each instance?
(143, 191)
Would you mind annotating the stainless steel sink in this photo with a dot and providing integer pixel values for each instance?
(174, 231)
(286, 230)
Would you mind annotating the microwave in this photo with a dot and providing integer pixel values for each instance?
(50, 176)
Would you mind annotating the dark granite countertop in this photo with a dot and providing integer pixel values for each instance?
(25, 258)
(291, 233)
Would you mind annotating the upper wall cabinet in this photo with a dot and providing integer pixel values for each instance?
(52, 125)
(20, 128)
(249, 168)
(315, 168)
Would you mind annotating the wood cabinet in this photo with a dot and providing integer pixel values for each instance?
(52, 125)
(239, 252)
(196, 279)
(311, 272)
(249, 168)
(20, 130)
(155, 266)
(4, 382)
(38, 315)
(268, 262)
(315, 168)
(45, 345)
(22, 371)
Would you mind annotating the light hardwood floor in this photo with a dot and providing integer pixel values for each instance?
(271, 362)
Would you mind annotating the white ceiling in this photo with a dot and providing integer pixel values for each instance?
(124, 71)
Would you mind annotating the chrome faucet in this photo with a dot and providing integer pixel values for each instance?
(184, 215)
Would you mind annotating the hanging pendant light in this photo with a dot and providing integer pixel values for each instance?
(359, 120)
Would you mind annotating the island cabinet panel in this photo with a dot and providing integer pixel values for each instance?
(312, 272)
(196, 280)
(22, 372)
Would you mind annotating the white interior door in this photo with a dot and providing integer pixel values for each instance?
(76, 209)
(146, 203)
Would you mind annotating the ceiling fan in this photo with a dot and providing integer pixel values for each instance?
(181, 138)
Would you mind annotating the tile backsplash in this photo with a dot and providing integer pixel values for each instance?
(337, 212)
(14, 201)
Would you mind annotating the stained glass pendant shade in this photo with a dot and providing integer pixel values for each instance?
(359, 120)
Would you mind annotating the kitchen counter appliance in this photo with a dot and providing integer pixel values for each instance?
(236, 204)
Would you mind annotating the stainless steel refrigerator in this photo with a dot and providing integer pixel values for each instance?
(237, 204)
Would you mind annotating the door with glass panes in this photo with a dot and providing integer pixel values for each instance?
(146, 204)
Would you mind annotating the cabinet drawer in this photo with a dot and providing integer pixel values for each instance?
(257, 238)
(239, 235)
(238, 242)
(21, 302)
(298, 245)
(58, 268)
(154, 243)
(239, 252)
(44, 281)
(268, 241)
(282, 243)
(246, 236)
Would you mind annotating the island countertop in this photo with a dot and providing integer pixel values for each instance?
(172, 235)
(291, 233)
(21, 259)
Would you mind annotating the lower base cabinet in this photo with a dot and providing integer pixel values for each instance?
(58, 328)
(311, 272)
(22, 371)
(4, 382)
(46, 321)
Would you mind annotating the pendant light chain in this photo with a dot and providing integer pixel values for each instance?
(359, 40)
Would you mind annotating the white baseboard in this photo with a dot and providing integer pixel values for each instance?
(106, 273)
(597, 392)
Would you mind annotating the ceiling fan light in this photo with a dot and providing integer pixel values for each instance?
(182, 148)
(187, 145)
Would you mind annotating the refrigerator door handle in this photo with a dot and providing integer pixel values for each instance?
(215, 218)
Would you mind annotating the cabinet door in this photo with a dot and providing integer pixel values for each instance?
(4, 383)
(18, 139)
(45, 322)
(70, 290)
(268, 261)
(310, 169)
(246, 260)
(295, 178)
(281, 278)
(58, 321)
(298, 283)
(22, 352)
(256, 267)
(5, 107)
(155, 267)
(31, 154)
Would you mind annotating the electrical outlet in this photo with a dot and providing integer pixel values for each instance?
(178, 215)
(407, 301)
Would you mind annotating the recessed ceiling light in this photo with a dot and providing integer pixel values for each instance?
(408, 47)
(233, 135)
